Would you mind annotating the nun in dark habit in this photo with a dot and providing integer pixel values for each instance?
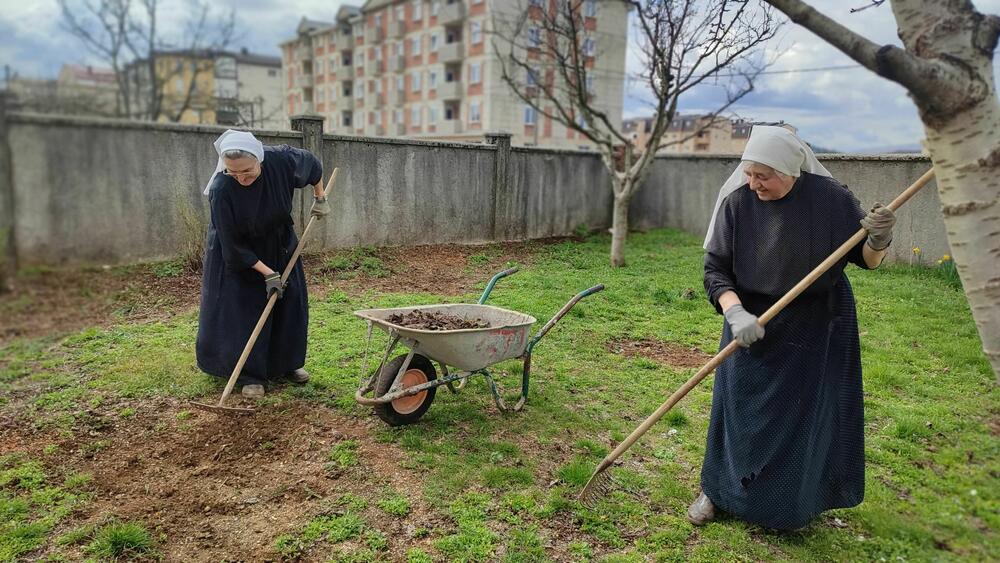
(786, 436)
(250, 241)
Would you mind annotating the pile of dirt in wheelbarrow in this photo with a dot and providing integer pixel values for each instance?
(431, 320)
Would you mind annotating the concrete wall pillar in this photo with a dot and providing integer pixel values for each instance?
(311, 127)
(501, 227)
(8, 248)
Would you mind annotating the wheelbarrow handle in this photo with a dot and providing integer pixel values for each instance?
(493, 281)
(562, 312)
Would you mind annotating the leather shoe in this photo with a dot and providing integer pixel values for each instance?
(252, 391)
(701, 511)
(297, 376)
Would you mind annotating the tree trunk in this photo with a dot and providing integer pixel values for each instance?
(619, 227)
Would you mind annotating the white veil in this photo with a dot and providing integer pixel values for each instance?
(776, 147)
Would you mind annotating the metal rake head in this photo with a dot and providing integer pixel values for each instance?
(601, 483)
(219, 409)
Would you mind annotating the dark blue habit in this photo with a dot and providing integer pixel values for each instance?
(785, 440)
(251, 223)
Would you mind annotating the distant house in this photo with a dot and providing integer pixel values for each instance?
(694, 134)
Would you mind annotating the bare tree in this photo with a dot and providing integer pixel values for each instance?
(547, 52)
(946, 64)
(126, 36)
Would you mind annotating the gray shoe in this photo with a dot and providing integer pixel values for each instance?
(297, 376)
(701, 511)
(252, 391)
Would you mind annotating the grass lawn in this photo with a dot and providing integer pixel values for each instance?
(102, 457)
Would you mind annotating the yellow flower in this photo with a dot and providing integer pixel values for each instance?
(946, 258)
(916, 250)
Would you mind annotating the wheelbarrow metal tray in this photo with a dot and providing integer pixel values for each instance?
(467, 349)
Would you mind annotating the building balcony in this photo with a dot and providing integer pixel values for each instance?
(397, 98)
(304, 52)
(450, 127)
(451, 14)
(397, 63)
(450, 90)
(451, 53)
(374, 35)
(305, 81)
(345, 42)
(374, 68)
(397, 30)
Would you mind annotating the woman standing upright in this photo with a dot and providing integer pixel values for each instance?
(785, 440)
(250, 241)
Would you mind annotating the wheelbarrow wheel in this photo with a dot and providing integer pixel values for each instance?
(405, 410)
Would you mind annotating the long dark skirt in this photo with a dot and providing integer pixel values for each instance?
(786, 438)
(231, 304)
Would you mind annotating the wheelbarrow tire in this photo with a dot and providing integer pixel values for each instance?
(406, 410)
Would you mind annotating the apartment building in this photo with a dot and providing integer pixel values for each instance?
(426, 69)
(207, 86)
(693, 134)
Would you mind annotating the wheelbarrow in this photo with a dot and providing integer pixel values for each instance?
(402, 389)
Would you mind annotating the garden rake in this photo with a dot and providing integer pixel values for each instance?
(220, 408)
(600, 482)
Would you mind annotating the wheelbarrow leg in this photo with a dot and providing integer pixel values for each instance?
(495, 392)
(525, 376)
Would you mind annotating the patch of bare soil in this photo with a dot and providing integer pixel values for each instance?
(432, 320)
(219, 488)
(667, 353)
(59, 301)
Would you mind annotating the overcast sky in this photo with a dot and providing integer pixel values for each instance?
(847, 109)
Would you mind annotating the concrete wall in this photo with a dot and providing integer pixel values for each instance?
(681, 191)
(106, 191)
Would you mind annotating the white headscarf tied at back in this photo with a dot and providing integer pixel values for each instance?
(776, 147)
(233, 140)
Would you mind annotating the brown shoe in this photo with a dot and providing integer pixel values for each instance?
(701, 511)
(252, 391)
(297, 376)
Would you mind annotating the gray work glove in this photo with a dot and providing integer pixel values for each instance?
(745, 327)
(320, 208)
(272, 284)
(878, 223)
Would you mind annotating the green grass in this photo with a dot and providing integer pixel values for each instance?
(118, 540)
(503, 486)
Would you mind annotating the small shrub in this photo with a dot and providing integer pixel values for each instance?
(170, 269)
(395, 504)
(344, 454)
(193, 227)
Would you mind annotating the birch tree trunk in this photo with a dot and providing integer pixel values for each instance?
(619, 227)
(947, 68)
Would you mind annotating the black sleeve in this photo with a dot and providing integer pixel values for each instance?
(719, 277)
(306, 168)
(852, 213)
(235, 252)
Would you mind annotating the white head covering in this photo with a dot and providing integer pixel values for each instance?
(232, 140)
(776, 147)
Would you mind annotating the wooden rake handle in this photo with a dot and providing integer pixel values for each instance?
(763, 319)
(272, 299)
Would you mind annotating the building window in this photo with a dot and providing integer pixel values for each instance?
(476, 31)
(531, 77)
(400, 83)
(434, 42)
(359, 60)
(477, 1)
(530, 117)
(432, 115)
(415, 115)
(359, 92)
(399, 48)
(415, 81)
(473, 112)
(378, 20)
(435, 7)
(536, 3)
(416, 10)
(331, 94)
(415, 46)
(589, 82)
(590, 8)
(433, 80)
(378, 87)
(345, 120)
(534, 36)
(589, 47)
(474, 73)
(397, 116)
